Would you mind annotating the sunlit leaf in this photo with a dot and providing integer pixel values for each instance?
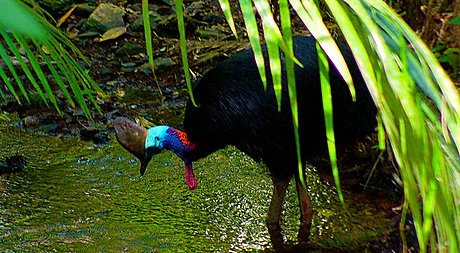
(310, 15)
(183, 46)
(113, 33)
(253, 34)
(66, 15)
(23, 65)
(8, 63)
(225, 6)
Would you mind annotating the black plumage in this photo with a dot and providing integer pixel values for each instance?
(235, 110)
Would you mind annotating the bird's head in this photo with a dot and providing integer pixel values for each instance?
(155, 142)
(144, 144)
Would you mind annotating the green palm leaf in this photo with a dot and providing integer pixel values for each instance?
(42, 43)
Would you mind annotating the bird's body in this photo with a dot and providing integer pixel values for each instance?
(234, 109)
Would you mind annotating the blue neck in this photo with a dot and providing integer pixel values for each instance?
(178, 142)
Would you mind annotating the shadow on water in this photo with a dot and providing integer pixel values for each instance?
(74, 196)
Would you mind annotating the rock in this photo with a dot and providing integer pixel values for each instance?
(128, 49)
(51, 129)
(138, 24)
(95, 135)
(128, 67)
(13, 164)
(161, 64)
(137, 7)
(31, 121)
(105, 17)
(84, 10)
(212, 18)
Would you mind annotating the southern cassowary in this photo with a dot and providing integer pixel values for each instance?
(234, 109)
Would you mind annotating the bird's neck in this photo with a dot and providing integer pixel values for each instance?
(179, 143)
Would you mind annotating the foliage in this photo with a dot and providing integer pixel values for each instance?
(23, 29)
(419, 107)
(450, 56)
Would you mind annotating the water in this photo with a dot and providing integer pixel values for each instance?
(77, 197)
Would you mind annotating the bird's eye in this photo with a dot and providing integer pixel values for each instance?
(157, 138)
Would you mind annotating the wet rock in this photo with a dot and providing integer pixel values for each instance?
(130, 49)
(95, 135)
(128, 67)
(161, 64)
(31, 121)
(138, 24)
(51, 129)
(105, 17)
(84, 10)
(13, 164)
(212, 18)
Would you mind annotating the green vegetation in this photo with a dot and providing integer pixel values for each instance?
(41, 42)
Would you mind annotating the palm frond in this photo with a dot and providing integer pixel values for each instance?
(47, 50)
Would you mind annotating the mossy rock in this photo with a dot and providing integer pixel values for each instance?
(104, 18)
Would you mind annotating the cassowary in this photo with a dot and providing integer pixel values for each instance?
(234, 109)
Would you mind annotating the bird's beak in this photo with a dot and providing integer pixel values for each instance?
(149, 153)
(132, 137)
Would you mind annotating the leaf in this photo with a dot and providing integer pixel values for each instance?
(113, 33)
(18, 11)
(254, 39)
(455, 21)
(66, 16)
(225, 6)
(183, 47)
(310, 15)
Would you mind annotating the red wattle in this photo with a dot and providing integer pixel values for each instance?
(190, 177)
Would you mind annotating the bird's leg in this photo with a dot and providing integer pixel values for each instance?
(274, 212)
(306, 211)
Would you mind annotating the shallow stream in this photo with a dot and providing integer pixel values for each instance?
(75, 196)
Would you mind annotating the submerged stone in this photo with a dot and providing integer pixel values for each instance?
(13, 164)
